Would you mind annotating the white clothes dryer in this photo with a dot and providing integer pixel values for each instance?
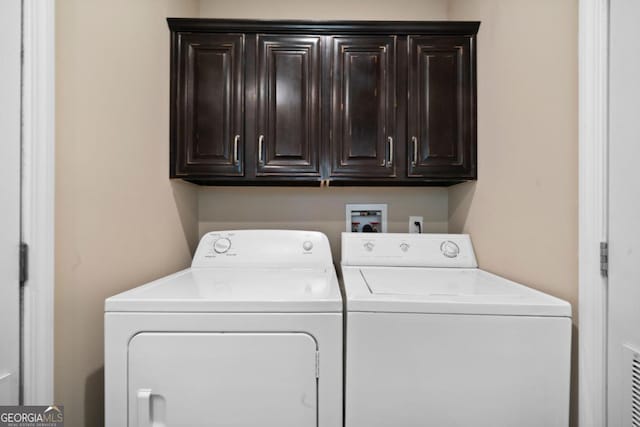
(250, 335)
(431, 340)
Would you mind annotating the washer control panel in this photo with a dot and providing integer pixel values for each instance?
(269, 248)
(408, 250)
(222, 245)
(449, 249)
(307, 245)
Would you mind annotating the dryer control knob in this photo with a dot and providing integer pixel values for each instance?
(404, 247)
(369, 246)
(307, 245)
(449, 249)
(222, 245)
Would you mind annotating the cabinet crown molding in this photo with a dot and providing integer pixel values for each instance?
(195, 25)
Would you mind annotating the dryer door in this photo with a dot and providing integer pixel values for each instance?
(222, 379)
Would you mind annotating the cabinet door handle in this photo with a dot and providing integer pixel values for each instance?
(260, 142)
(414, 140)
(235, 149)
(390, 140)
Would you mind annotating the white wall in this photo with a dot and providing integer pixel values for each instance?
(623, 320)
(10, 35)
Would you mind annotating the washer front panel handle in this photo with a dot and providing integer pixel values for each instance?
(144, 407)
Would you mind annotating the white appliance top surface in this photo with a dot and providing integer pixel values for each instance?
(444, 291)
(235, 290)
(245, 271)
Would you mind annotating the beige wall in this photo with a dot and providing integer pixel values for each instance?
(318, 208)
(523, 210)
(321, 209)
(325, 9)
(119, 220)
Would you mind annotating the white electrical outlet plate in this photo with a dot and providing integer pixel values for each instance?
(413, 228)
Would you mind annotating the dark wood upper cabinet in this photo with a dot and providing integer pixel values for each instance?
(305, 102)
(207, 113)
(363, 102)
(288, 123)
(440, 111)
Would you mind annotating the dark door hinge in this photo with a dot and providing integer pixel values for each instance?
(604, 259)
(24, 263)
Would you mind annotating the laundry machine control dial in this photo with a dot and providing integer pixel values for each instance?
(404, 247)
(369, 246)
(449, 249)
(222, 245)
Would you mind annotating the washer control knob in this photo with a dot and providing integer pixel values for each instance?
(449, 249)
(369, 246)
(307, 245)
(222, 245)
(404, 247)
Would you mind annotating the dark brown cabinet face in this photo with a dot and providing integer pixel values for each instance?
(313, 103)
(207, 137)
(440, 107)
(288, 117)
(363, 102)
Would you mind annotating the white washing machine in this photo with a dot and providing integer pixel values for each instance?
(250, 335)
(431, 340)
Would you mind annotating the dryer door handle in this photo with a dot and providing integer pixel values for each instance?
(144, 407)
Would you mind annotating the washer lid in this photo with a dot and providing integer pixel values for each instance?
(235, 290)
(444, 290)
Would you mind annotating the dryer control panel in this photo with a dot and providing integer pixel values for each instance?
(408, 250)
(265, 248)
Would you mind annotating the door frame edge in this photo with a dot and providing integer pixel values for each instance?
(593, 70)
(38, 199)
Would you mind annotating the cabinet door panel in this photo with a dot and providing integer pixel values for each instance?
(207, 124)
(289, 72)
(363, 106)
(441, 99)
